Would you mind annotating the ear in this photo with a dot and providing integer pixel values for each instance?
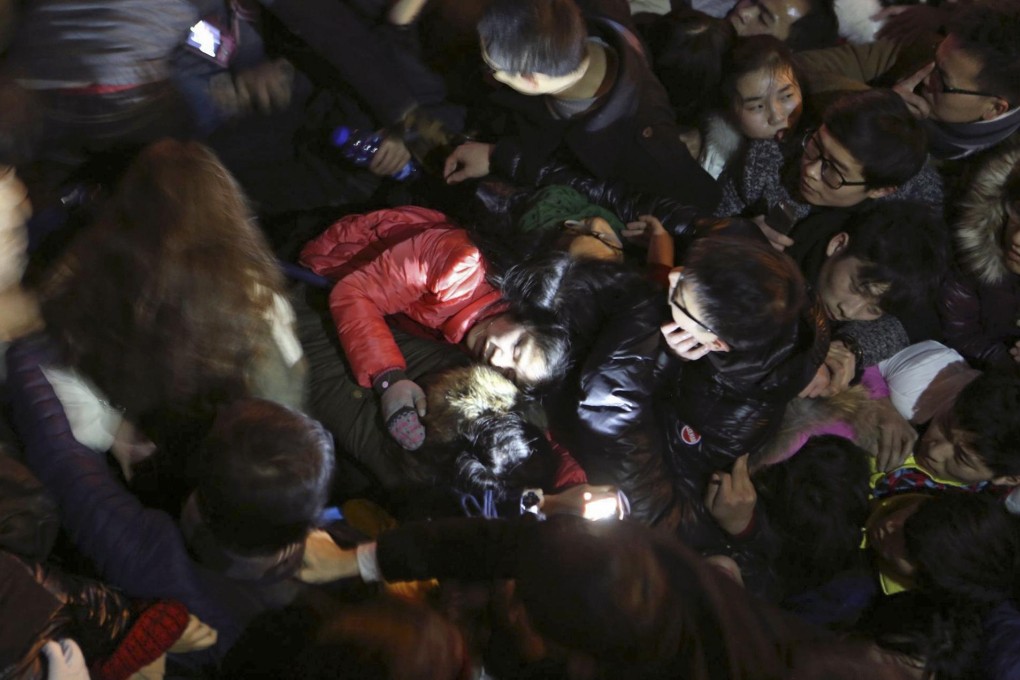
(837, 243)
(881, 192)
(1007, 480)
(998, 107)
(719, 345)
(531, 79)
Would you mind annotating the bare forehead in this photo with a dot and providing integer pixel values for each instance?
(532, 363)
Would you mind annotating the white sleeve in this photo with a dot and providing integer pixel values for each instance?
(282, 318)
(368, 563)
(914, 369)
(94, 422)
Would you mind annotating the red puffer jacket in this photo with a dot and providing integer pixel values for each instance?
(409, 261)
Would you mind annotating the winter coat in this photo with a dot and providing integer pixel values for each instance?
(41, 603)
(630, 136)
(611, 427)
(980, 301)
(136, 549)
(410, 261)
(718, 408)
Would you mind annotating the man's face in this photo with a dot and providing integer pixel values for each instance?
(956, 69)
(948, 452)
(509, 347)
(829, 174)
(767, 17)
(884, 530)
(768, 103)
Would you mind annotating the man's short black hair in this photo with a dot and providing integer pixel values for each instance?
(534, 36)
(264, 475)
(749, 293)
(989, 410)
(903, 247)
(817, 29)
(817, 502)
(877, 128)
(966, 547)
(990, 31)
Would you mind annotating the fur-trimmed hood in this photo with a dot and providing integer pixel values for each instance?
(460, 396)
(806, 417)
(978, 231)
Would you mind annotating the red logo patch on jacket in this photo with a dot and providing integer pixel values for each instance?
(690, 437)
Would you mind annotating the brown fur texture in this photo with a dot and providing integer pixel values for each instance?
(463, 395)
(853, 406)
(978, 232)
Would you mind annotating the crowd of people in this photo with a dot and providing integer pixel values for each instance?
(511, 339)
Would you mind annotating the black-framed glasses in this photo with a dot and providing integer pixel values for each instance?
(831, 175)
(679, 305)
(938, 84)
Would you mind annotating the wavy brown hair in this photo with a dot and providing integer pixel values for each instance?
(162, 302)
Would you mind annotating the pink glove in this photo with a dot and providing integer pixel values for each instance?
(403, 404)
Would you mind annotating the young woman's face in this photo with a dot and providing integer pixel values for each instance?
(509, 347)
(768, 103)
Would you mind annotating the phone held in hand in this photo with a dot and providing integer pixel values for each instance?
(614, 505)
(212, 42)
(782, 216)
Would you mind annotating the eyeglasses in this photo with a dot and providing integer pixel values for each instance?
(673, 294)
(832, 177)
(938, 84)
(575, 228)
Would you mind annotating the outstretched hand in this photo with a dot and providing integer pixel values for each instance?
(896, 437)
(324, 561)
(731, 497)
(468, 161)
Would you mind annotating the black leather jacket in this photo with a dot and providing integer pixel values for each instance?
(658, 427)
(714, 410)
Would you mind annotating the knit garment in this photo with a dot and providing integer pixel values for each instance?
(877, 340)
(757, 183)
(552, 206)
(406, 428)
(157, 628)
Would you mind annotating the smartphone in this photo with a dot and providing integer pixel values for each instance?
(603, 507)
(782, 216)
(211, 42)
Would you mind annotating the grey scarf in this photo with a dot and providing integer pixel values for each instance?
(950, 141)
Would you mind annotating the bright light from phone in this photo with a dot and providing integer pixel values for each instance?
(601, 509)
(205, 37)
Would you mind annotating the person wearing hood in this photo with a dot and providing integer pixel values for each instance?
(980, 300)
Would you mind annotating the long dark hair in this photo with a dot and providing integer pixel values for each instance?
(164, 300)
